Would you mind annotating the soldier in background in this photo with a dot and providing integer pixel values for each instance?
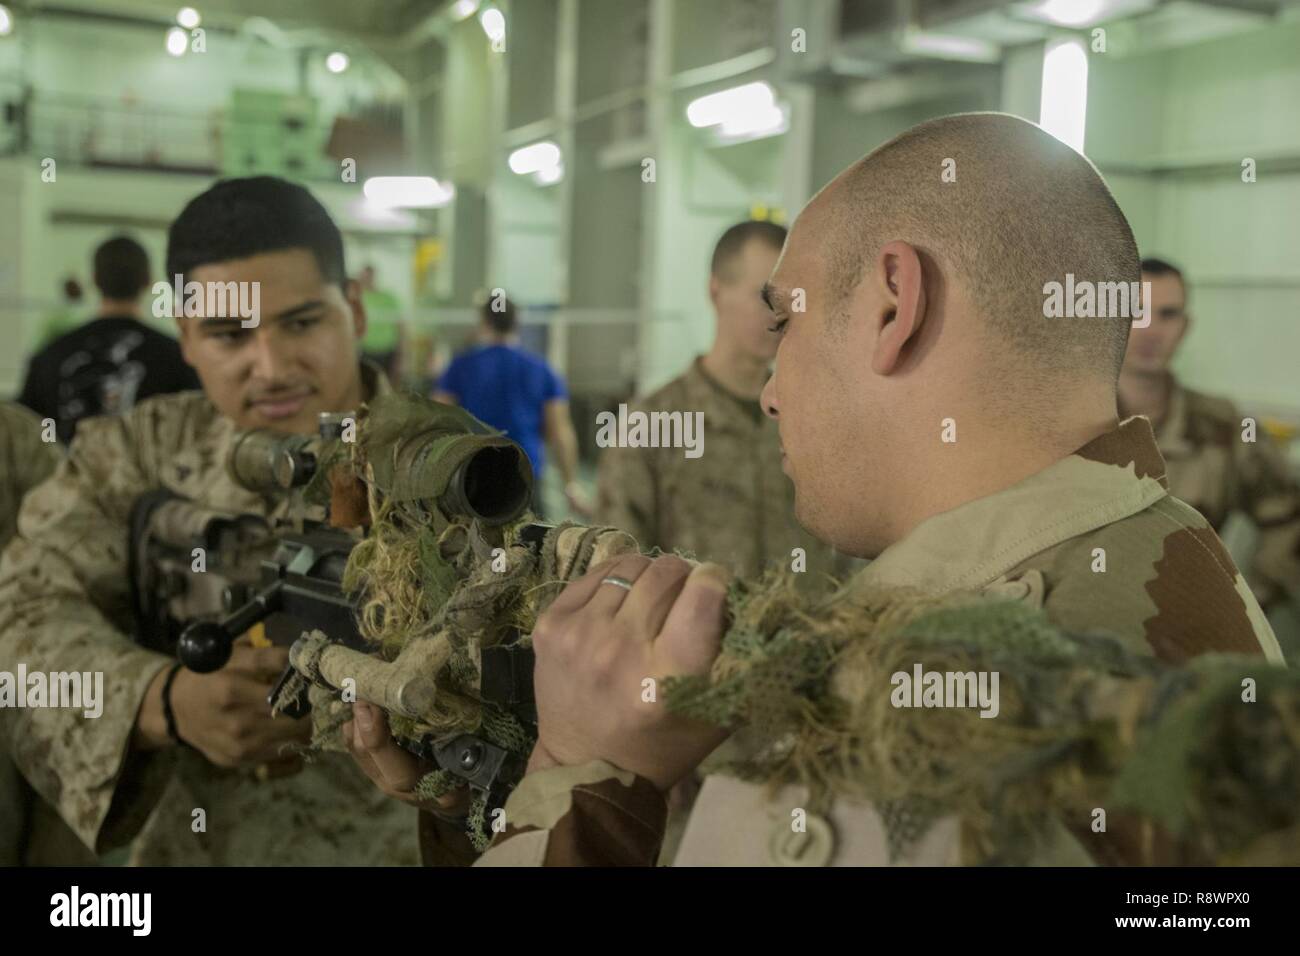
(1200, 437)
(31, 832)
(191, 768)
(731, 505)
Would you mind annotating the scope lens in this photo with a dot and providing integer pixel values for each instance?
(494, 486)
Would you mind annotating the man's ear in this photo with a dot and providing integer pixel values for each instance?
(352, 292)
(714, 288)
(901, 285)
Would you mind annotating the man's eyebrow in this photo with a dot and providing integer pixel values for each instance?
(218, 323)
(301, 309)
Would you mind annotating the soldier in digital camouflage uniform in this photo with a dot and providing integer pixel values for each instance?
(732, 504)
(132, 774)
(933, 419)
(32, 833)
(1203, 439)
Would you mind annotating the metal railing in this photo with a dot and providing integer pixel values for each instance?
(94, 131)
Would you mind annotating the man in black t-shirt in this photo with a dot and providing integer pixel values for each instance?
(113, 361)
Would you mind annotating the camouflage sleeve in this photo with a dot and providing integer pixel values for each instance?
(63, 601)
(592, 815)
(33, 458)
(626, 492)
(1271, 496)
(25, 461)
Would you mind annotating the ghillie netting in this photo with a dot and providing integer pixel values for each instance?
(1207, 754)
(433, 588)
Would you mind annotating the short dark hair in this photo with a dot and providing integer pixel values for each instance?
(238, 218)
(502, 321)
(1159, 267)
(121, 268)
(735, 239)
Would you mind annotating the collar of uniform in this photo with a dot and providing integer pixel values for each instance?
(1172, 437)
(707, 392)
(1113, 476)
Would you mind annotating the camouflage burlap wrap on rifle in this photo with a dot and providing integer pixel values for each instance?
(433, 587)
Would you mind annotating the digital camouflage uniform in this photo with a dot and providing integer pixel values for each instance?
(733, 505)
(1217, 473)
(31, 833)
(1168, 589)
(65, 605)
(26, 460)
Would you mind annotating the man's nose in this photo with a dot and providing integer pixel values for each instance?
(768, 397)
(269, 363)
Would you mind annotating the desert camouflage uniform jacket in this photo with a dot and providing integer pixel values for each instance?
(30, 831)
(65, 605)
(1169, 589)
(26, 460)
(1215, 472)
(733, 505)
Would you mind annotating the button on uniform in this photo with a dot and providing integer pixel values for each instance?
(814, 846)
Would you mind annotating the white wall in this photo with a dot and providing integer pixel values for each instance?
(1180, 122)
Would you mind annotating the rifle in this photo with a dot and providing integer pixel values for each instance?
(432, 462)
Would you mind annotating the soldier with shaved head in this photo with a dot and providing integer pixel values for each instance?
(935, 417)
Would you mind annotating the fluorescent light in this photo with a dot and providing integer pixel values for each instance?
(1070, 13)
(767, 122)
(407, 192)
(381, 217)
(494, 23)
(949, 47)
(737, 106)
(178, 41)
(6, 21)
(742, 112)
(1064, 108)
(534, 158)
(543, 160)
(337, 62)
(549, 175)
(188, 17)
(463, 9)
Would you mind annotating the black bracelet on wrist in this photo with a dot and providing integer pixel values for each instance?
(168, 714)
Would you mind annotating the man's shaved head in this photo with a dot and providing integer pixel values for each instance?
(916, 368)
(1023, 210)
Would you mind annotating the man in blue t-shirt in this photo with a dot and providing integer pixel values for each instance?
(518, 393)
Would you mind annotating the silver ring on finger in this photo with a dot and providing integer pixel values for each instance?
(618, 582)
